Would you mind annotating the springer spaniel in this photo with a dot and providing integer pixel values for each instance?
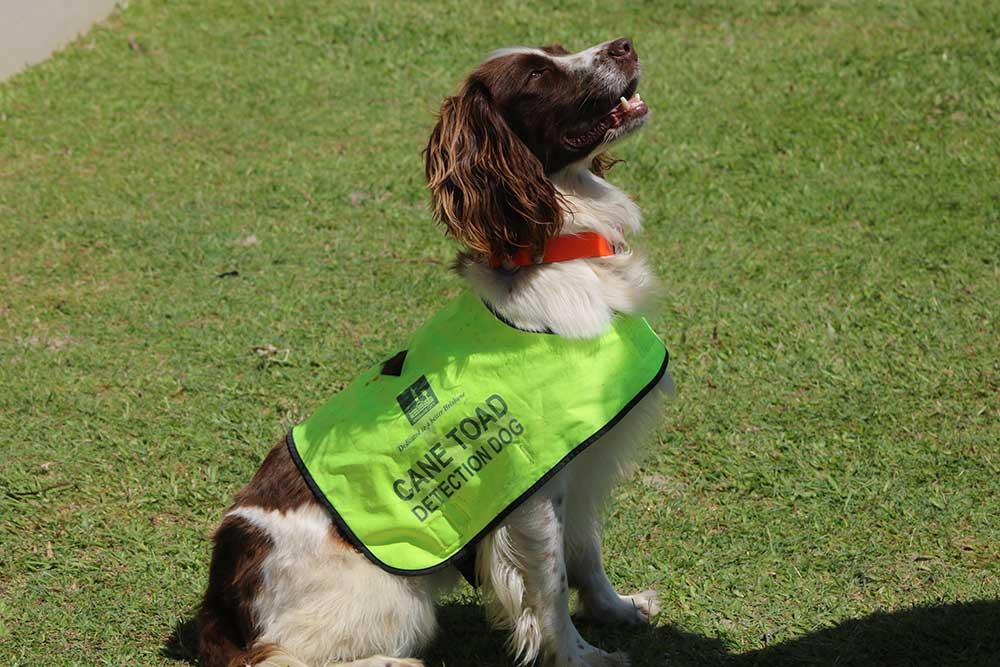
(516, 159)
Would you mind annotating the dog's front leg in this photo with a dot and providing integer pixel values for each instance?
(599, 602)
(523, 570)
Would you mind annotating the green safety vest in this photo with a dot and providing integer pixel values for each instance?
(421, 455)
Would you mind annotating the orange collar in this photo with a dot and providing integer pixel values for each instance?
(561, 249)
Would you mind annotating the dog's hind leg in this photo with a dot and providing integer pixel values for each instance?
(324, 603)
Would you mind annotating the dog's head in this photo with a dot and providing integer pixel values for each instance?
(521, 116)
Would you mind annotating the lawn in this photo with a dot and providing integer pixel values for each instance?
(213, 214)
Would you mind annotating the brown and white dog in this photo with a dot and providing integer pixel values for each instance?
(516, 158)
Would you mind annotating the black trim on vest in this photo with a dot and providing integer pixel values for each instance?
(504, 320)
(469, 550)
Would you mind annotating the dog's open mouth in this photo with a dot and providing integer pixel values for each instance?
(630, 107)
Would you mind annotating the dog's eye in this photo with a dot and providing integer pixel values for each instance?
(536, 73)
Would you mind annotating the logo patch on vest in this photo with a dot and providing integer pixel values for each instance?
(417, 399)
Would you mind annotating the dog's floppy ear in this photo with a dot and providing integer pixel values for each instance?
(487, 187)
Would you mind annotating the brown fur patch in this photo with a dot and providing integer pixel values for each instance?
(227, 620)
(278, 484)
(227, 623)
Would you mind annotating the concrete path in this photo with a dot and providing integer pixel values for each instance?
(30, 30)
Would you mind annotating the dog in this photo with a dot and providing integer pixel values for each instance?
(516, 160)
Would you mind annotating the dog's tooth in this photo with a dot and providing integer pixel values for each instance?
(637, 98)
(624, 104)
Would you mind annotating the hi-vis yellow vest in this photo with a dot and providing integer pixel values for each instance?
(421, 455)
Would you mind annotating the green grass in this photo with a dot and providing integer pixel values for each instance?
(821, 185)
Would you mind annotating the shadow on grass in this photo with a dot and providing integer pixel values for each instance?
(182, 644)
(956, 634)
(965, 633)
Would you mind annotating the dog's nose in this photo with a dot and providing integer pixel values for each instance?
(622, 49)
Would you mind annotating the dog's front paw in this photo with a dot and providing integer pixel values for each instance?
(644, 606)
(636, 609)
